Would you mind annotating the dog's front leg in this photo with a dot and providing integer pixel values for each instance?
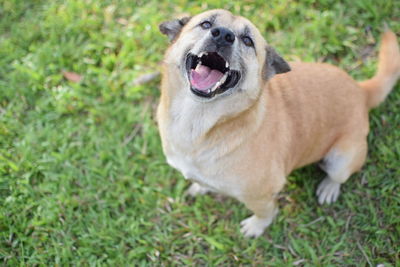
(197, 189)
(265, 210)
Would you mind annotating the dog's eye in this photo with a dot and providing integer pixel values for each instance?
(247, 41)
(206, 25)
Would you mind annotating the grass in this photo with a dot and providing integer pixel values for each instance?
(83, 180)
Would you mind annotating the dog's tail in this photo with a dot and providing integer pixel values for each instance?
(379, 86)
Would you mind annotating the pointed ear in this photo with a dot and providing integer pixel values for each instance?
(173, 27)
(274, 64)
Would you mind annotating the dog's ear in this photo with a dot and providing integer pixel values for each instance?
(274, 64)
(173, 27)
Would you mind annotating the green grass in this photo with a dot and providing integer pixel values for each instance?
(83, 180)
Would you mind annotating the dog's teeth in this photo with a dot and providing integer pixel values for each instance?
(202, 54)
(223, 79)
(216, 86)
(226, 64)
(198, 66)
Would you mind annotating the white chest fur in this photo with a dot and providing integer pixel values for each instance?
(199, 168)
(185, 149)
(189, 149)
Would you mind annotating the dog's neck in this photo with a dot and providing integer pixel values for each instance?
(192, 121)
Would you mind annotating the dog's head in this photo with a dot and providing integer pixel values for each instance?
(216, 53)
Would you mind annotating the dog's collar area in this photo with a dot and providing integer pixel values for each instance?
(209, 74)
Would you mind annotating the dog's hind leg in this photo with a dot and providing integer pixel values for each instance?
(344, 158)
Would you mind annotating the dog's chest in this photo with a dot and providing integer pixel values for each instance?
(196, 157)
(198, 165)
(180, 137)
(185, 164)
(192, 166)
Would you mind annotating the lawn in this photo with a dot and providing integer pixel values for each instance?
(83, 180)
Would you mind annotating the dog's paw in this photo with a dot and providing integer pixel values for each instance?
(196, 189)
(254, 226)
(328, 191)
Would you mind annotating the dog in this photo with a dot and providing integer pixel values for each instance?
(235, 118)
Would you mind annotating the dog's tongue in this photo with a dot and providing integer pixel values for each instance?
(203, 77)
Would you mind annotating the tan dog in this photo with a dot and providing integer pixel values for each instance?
(230, 124)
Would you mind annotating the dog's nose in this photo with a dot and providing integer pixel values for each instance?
(223, 36)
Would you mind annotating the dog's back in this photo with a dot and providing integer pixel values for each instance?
(320, 102)
(317, 103)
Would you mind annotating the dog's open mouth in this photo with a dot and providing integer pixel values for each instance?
(209, 74)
